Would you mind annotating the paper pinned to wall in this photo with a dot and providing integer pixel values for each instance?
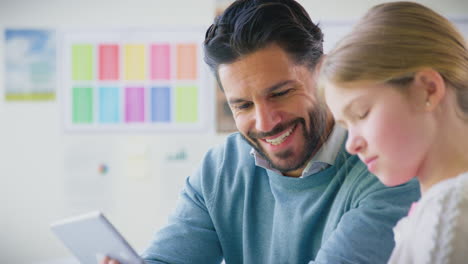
(137, 161)
(89, 173)
(30, 65)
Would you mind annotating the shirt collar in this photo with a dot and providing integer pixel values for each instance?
(326, 154)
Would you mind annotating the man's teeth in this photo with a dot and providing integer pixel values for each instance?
(281, 138)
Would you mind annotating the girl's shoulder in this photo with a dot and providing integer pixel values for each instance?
(447, 204)
(446, 192)
(437, 230)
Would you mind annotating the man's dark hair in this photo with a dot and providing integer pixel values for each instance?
(247, 26)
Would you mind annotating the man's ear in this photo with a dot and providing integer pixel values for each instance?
(431, 87)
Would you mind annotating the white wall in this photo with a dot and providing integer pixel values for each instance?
(36, 187)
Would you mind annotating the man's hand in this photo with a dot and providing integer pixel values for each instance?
(108, 260)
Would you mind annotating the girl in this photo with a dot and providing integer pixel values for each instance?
(399, 83)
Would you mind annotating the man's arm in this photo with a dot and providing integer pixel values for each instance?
(189, 237)
(365, 234)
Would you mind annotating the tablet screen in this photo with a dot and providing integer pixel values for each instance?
(91, 236)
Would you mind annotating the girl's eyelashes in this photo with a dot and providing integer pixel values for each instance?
(363, 115)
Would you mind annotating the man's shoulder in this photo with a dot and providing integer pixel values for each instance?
(352, 168)
(357, 179)
(233, 146)
(227, 165)
(235, 141)
(230, 154)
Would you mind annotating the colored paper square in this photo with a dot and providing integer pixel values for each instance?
(134, 104)
(109, 101)
(82, 62)
(160, 62)
(134, 62)
(160, 104)
(109, 62)
(82, 105)
(186, 103)
(186, 61)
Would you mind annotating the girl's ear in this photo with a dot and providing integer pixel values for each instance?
(432, 87)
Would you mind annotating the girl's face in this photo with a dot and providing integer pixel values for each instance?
(387, 128)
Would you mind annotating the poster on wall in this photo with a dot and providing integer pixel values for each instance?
(30, 65)
(135, 80)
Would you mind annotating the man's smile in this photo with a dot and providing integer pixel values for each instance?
(281, 138)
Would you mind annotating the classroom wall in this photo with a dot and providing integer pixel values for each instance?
(39, 161)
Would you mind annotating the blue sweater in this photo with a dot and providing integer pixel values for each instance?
(233, 210)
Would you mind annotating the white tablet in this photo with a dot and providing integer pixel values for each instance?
(91, 236)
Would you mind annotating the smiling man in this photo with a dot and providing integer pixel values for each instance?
(283, 189)
(273, 102)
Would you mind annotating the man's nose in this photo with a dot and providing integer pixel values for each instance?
(266, 117)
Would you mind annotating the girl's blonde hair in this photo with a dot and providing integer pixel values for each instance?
(395, 40)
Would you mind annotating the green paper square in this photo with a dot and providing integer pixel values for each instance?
(186, 104)
(82, 105)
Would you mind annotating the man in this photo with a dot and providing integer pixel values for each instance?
(283, 190)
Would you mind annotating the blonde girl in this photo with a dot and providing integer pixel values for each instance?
(399, 83)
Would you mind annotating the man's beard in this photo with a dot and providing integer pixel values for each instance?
(314, 138)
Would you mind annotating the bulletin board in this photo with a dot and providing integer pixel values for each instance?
(135, 80)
